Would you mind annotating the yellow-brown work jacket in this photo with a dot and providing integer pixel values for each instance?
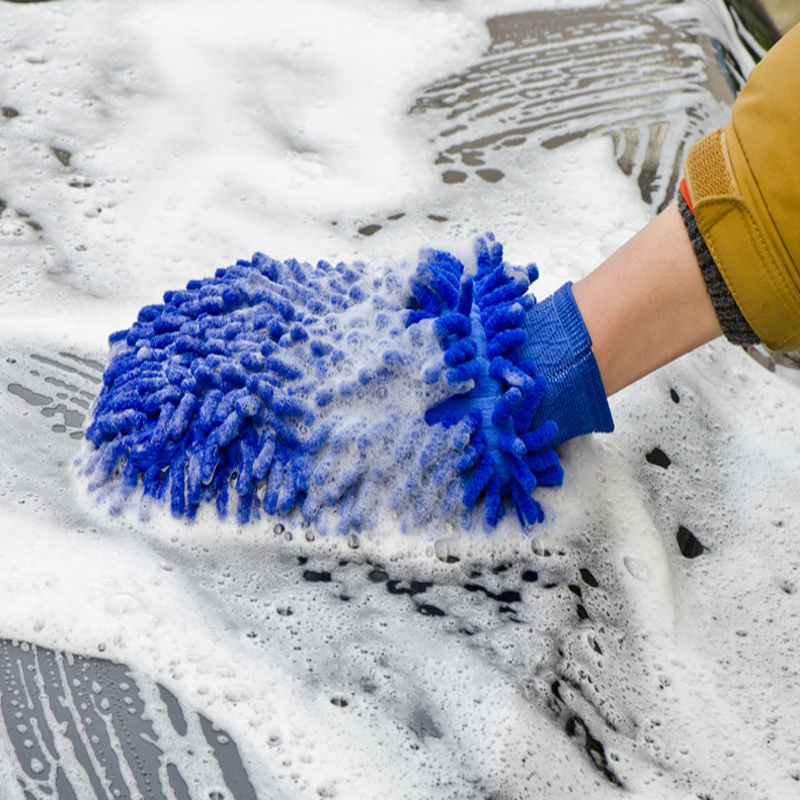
(743, 183)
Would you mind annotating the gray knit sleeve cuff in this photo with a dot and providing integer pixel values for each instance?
(733, 324)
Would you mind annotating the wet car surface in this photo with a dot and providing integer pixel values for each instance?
(423, 657)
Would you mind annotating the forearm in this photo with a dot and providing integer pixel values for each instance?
(647, 304)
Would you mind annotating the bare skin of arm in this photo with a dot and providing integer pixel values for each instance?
(647, 304)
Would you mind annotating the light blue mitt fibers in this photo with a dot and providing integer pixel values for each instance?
(332, 393)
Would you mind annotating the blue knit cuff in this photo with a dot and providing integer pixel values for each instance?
(558, 342)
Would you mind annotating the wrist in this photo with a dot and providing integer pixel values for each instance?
(559, 344)
(647, 304)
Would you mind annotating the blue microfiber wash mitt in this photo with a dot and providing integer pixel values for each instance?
(331, 393)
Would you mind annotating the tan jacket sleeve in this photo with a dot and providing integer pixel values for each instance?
(744, 186)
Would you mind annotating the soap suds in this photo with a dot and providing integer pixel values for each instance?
(148, 144)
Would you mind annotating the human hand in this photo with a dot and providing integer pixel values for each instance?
(336, 394)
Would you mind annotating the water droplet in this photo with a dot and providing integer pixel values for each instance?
(658, 457)
(490, 175)
(237, 694)
(688, 543)
(443, 549)
(278, 529)
(377, 576)
(123, 604)
(637, 568)
(310, 535)
(589, 579)
(539, 549)
(454, 176)
(353, 542)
